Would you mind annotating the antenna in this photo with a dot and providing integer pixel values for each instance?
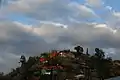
(0, 3)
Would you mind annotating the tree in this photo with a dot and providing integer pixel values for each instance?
(22, 59)
(45, 55)
(79, 49)
(109, 59)
(13, 70)
(99, 53)
(1, 73)
(101, 64)
(25, 69)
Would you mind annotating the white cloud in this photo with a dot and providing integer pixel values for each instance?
(105, 27)
(16, 38)
(86, 12)
(81, 33)
(109, 7)
(116, 14)
(112, 18)
(23, 6)
(95, 3)
(51, 10)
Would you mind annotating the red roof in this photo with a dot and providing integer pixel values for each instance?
(42, 59)
(54, 54)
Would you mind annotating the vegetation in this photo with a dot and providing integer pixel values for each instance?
(66, 64)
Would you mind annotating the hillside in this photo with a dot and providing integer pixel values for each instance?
(66, 64)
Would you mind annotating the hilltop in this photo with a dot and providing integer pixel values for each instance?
(66, 64)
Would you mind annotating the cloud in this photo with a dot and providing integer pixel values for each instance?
(17, 38)
(116, 14)
(109, 8)
(20, 37)
(50, 10)
(62, 24)
(112, 18)
(86, 12)
(95, 3)
(88, 34)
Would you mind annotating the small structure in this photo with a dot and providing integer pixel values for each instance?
(53, 54)
(43, 60)
(66, 53)
(79, 77)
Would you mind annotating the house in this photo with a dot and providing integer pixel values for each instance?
(53, 54)
(79, 76)
(66, 54)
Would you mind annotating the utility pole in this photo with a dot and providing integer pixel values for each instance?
(51, 75)
(87, 52)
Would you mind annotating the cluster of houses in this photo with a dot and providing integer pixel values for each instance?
(51, 70)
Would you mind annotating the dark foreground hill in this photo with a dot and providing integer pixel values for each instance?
(66, 64)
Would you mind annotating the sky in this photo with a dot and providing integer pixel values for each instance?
(30, 27)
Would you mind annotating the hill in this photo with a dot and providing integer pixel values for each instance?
(66, 64)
